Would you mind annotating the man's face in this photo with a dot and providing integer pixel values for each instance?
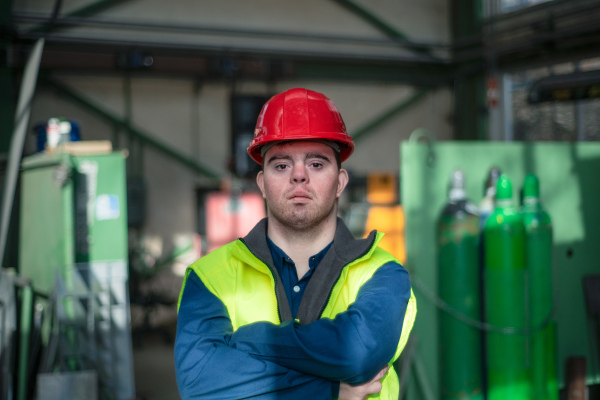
(301, 183)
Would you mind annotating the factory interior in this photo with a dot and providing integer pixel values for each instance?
(124, 126)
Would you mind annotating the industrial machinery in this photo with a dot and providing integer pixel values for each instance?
(73, 250)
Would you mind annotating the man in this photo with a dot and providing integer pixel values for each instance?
(298, 309)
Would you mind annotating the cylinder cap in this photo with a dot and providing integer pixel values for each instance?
(503, 188)
(457, 186)
(531, 186)
(491, 180)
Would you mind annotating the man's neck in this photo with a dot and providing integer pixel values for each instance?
(301, 245)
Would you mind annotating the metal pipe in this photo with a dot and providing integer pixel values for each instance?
(144, 137)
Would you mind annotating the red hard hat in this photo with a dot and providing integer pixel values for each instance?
(299, 114)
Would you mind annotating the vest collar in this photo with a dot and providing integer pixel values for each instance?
(344, 250)
(346, 246)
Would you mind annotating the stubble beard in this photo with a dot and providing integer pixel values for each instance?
(301, 218)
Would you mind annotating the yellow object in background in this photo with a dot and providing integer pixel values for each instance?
(385, 214)
(390, 220)
(382, 188)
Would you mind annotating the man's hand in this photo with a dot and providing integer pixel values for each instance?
(362, 391)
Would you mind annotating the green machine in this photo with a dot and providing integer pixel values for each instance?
(73, 248)
(570, 187)
(73, 209)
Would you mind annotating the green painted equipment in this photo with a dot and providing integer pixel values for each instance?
(458, 287)
(538, 258)
(505, 293)
(74, 250)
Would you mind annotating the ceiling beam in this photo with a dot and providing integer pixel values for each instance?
(85, 11)
(388, 114)
(381, 25)
(145, 137)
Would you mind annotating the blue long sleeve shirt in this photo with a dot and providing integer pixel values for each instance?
(206, 367)
(287, 361)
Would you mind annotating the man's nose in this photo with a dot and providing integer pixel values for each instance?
(299, 174)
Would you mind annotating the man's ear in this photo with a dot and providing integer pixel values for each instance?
(342, 182)
(260, 181)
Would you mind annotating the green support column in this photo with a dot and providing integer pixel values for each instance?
(7, 118)
(7, 108)
(8, 98)
(470, 119)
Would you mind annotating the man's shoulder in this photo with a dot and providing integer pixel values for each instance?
(215, 260)
(376, 256)
(384, 255)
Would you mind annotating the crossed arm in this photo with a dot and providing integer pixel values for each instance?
(263, 360)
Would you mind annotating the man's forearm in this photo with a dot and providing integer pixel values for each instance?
(206, 367)
(353, 347)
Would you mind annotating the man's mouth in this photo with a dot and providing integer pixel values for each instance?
(299, 196)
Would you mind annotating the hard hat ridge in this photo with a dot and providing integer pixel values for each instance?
(299, 114)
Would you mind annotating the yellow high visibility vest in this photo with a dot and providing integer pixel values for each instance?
(246, 286)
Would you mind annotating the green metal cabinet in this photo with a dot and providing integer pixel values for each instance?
(73, 209)
(73, 246)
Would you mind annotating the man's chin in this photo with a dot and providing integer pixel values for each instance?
(303, 222)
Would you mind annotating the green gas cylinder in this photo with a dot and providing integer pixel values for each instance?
(458, 287)
(505, 299)
(538, 259)
(486, 206)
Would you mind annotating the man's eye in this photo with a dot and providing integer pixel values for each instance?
(281, 166)
(316, 165)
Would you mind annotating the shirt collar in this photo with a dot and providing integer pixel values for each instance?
(280, 258)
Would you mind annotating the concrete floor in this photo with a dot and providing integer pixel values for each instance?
(153, 326)
(154, 368)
